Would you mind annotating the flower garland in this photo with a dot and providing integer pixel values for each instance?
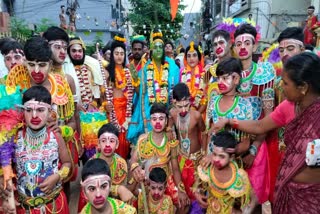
(157, 82)
(195, 84)
(125, 84)
(83, 77)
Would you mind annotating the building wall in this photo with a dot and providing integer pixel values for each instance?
(90, 10)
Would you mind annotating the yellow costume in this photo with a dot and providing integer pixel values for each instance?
(223, 196)
(117, 206)
(164, 206)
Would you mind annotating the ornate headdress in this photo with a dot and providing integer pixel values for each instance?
(157, 37)
(231, 24)
(120, 38)
(77, 40)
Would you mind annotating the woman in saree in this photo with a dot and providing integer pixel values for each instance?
(298, 182)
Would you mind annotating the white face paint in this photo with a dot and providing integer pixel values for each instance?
(289, 48)
(244, 46)
(220, 46)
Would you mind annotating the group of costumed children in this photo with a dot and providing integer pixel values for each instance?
(177, 164)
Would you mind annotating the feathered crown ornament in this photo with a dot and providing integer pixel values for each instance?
(231, 24)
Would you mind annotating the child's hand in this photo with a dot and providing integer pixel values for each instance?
(124, 194)
(201, 199)
(206, 161)
(219, 125)
(139, 174)
(183, 199)
(248, 161)
(243, 146)
(47, 185)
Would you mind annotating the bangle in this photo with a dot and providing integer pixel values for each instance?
(114, 190)
(181, 187)
(133, 166)
(63, 173)
(253, 150)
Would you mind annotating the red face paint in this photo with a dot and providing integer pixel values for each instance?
(183, 114)
(219, 50)
(156, 196)
(243, 52)
(35, 121)
(107, 149)
(217, 164)
(99, 200)
(37, 77)
(158, 126)
(222, 87)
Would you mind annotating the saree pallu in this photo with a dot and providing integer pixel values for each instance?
(259, 174)
(291, 197)
(120, 107)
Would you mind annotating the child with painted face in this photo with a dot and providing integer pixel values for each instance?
(38, 153)
(188, 124)
(96, 184)
(158, 201)
(156, 149)
(108, 143)
(229, 104)
(223, 178)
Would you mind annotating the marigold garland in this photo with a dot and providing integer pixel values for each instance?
(195, 84)
(157, 82)
(85, 90)
(123, 82)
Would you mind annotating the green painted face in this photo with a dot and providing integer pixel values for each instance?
(157, 51)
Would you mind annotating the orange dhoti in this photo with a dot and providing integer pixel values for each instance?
(120, 107)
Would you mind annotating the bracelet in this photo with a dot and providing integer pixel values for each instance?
(133, 166)
(253, 150)
(181, 187)
(114, 190)
(63, 173)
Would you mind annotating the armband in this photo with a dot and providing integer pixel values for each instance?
(63, 173)
(114, 190)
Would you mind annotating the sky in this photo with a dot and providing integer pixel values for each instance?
(192, 5)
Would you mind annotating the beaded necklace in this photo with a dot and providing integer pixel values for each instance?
(35, 140)
(157, 82)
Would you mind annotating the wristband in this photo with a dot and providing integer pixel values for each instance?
(133, 166)
(253, 150)
(181, 187)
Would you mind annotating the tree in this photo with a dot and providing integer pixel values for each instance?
(22, 31)
(147, 15)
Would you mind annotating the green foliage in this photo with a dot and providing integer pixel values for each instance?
(22, 31)
(90, 49)
(147, 15)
